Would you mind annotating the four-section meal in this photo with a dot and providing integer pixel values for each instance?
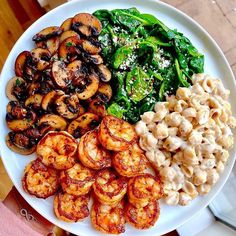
(118, 111)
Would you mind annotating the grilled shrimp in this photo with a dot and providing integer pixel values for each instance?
(116, 134)
(71, 208)
(57, 150)
(40, 180)
(142, 217)
(108, 188)
(144, 188)
(77, 180)
(131, 162)
(108, 219)
(91, 153)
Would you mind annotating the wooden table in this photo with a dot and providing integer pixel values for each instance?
(217, 17)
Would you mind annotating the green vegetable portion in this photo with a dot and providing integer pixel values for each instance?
(147, 59)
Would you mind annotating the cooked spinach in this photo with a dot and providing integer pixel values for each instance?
(147, 59)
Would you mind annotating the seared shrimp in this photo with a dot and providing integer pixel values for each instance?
(131, 162)
(108, 188)
(71, 208)
(144, 188)
(57, 149)
(116, 134)
(91, 153)
(40, 180)
(108, 219)
(77, 180)
(143, 217)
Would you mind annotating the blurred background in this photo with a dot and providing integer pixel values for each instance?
(218, 17)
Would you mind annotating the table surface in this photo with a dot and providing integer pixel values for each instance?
(217, 17)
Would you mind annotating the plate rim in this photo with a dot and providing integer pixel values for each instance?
(186, 17)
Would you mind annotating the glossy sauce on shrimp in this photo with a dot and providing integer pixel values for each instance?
(108, 188)
(40, 180)
(91, 153)
(142, 217)
(108, 219)
(77, 180)
(57, 149)
(71, 208)
(116, 134)
(144, 188)
(131, 162)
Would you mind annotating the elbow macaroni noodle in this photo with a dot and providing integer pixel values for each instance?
(187, 138)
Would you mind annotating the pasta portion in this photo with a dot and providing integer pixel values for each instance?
(187, 138)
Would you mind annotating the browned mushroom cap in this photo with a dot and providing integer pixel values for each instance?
(61, 74)
(66, 25)
(68, 106)
(68, 49)
(15, 147)
(97, 107)
(90, 47)
(20, 63)
(84, 123)
(104, 92)
(94, 59)
(42, 57)
(34, 101)
(68, 34)
(47, 33)
(13, 88)
(50, 98)
(86, 24)
(52, 122)
(87, 87)
(104, 73)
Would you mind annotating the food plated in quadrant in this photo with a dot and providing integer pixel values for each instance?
(122, 121)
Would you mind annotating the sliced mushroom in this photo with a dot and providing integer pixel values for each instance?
(51, 44)
(61, 75)
(21, 123)
(78, 70)
(50, 98)
(66, 25)
(30, 68)
(68, 106)
(68, 34)
(10, 141)
(97, 107)
(20, 63)
(39, 87)
(94, 59)
(16, 89)
(84, 123)
(47, 33)
(34, 101)
(51, 122)
(87, 87)
(68, 49)
(16, 110)
(42, 56)
(90, 48)
(104, 73)
(86, 24)
(104, 92)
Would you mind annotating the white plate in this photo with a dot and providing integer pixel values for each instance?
(215, 64)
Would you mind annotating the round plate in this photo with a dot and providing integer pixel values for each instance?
(215, 64)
